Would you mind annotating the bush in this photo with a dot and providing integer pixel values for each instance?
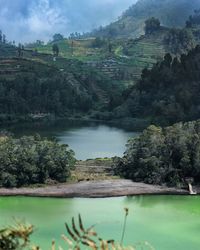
(31, 160)
(168, 155)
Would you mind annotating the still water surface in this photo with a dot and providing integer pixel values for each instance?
(88, 139)
(167, 222)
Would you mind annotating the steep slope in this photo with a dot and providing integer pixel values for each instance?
(169, 92)
(36, 84)
(131, 23)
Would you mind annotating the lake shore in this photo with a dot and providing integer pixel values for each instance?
(94, 189)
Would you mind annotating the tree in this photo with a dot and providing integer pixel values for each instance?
(163, 156)
(152, 25)
(110, 46)
(1, 37)
(4, 38)
(57, 37)
(19, 50)
(179, 41)
(55, 49)
(194, 20)
(30, 160)
(98, 42)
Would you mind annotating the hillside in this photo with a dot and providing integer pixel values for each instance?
(94, 74)
(35, 84)
(123, 59)
(124, 63)
(167, 93)
(131, 23)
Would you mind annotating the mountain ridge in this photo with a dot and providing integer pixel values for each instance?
(131, 23)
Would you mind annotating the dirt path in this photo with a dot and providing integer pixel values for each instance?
(93, 189)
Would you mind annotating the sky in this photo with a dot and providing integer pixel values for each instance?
(31, 20)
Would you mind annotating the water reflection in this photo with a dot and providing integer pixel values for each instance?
(167, 222)
(87, 139)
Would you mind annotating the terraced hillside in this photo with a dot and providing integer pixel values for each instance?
(121, 59)
(124, 63)
(144, 52)
(7, 50)
(35, 84)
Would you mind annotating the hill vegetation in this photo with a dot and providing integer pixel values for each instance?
(163, 155)
(33, 83)
(31, 160)
(123, 59)
(79, 76)
(131, 23)
(169, 92)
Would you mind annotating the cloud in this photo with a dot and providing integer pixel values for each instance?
(28, 20)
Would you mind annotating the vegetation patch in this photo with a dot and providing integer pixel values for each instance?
(163, 156)
(32, 160)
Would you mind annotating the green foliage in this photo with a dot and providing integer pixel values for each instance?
(98, 42)
(55, 49)
(57, 37)
(151, 25)
(169, 92)
(31, 160)
(159, 156)
(15, 237)
(193, 20)
(179, 41)
(78, 237)
(32, 88)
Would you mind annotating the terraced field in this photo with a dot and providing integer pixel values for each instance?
(144, 52)
(124, 64)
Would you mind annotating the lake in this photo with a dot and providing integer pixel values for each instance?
(87, 139)
(166, 222)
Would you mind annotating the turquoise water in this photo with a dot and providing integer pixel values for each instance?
(167, 222)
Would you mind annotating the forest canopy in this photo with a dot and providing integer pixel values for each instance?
(163, 155)
(31, 159)
(169, 92)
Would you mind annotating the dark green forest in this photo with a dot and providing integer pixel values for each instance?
(28, 88)
(163, 155)
(169, 92)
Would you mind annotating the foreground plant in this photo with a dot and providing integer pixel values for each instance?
(78, 237)
(15, 237)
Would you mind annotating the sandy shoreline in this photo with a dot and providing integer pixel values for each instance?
(93, 189)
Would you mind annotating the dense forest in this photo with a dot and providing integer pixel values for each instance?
(169, 92)
(31, 160)
(168, 155)
(29, 87)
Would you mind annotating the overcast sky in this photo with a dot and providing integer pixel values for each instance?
(28, 20)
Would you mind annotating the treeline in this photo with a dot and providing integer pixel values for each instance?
(167, 93)
(163, 156)
(32, 88)
(41, 89)
(31, 160)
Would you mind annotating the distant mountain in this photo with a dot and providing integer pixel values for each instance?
(172, 13)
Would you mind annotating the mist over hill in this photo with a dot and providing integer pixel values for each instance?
(29, 20)
(131, 24)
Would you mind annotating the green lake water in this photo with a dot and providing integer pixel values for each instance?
(167, 222)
